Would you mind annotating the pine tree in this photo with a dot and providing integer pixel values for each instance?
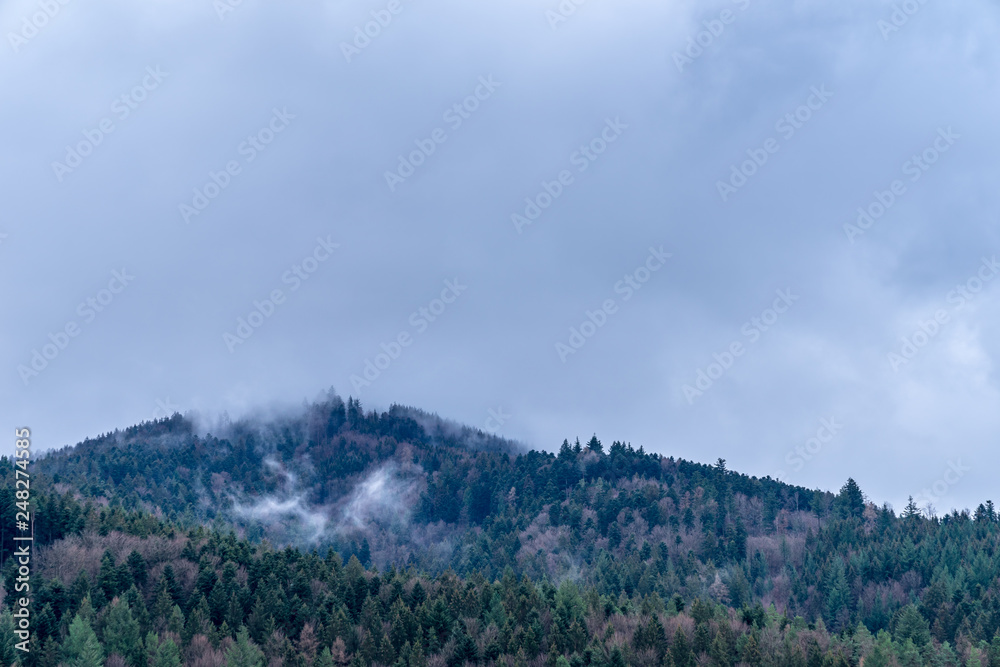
(324, 659)
(137, 566)
(122, 632)
(107, 577)
(368, 651)
(50, 654)
(175, 623)
(365, 553)
(7, 638)
(386, 653)
(137, 607)
(244, 653)
(994, 650)
(881, 653)
(82, 644)
(909, 656)
(86, 610)
(418, 595)
(162, 607)
(92, 654)
(702, 638)
(680, 650)
(751, 652)
(851, 501)
(720, 653)
(465, 647)
(234, 611)
(912, 625)
(838, 595)
(417, 657)
(167, 655)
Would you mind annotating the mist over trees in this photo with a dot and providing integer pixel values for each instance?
(337, 537)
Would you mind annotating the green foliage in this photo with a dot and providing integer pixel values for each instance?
(122, 634)
(244, 653)
(622, 530)
(7, 638)
(81, 648)
(167, 655)
(850, 501)
(911, 625)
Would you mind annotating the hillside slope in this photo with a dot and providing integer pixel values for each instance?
(404, 488)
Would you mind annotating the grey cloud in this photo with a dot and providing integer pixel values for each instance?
(325, 175)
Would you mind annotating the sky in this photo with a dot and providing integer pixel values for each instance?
(765, 232)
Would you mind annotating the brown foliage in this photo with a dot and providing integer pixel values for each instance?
(201, 653)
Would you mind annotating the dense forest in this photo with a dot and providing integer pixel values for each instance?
(337, 536)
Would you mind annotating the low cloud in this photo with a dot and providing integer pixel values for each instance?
(385, 498)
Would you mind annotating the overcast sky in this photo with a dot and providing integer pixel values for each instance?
(169, 167)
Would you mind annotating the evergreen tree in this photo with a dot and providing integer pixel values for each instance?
(838, 595)
(720, 653)
(92, 655)
(702, 638)
(465, 647)
(122, 633)
(324, 659)
(81, 648)
(680, 650)
(167, 655)
(751, 652)
(49, 656)
(912, 625)
(881, 652)
(244, 653)
(417, 657)
(137, 566)
(909, 655)
(7, 638)
(850, 500)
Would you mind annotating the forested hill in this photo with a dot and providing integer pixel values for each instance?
(405, 487)
(416, 542)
